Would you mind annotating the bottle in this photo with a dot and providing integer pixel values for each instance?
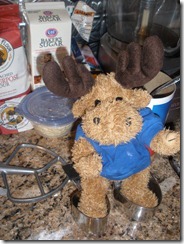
(145, 20)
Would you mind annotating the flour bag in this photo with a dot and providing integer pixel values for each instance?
(14, 77)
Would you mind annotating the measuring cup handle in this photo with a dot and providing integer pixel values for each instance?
(173, 50)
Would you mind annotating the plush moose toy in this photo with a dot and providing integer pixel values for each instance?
(117, 129)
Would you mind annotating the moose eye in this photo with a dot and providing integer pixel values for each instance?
(119, 98)
(96, 120)
(97, 102)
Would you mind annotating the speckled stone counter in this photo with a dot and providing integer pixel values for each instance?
(51, 219)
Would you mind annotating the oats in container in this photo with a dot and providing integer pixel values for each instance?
(50, 115)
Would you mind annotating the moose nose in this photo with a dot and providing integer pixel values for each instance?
(129, 121)
(96, 120)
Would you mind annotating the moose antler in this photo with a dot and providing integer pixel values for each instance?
(135, 67)
(74, 82)
(139, 64)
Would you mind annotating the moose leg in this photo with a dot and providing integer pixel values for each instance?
(94, 187)
(93, 197)
(135, 188)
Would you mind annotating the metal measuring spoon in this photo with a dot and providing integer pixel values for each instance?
(165, 85)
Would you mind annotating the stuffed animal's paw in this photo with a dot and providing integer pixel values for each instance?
(141, 197)
(81, 148)
(93, 200)
(135, 188)
(166, 142)
(89, 166)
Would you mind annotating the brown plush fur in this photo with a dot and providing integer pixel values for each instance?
(107, 88)
(93, 198)
(166, 142)
(138, 64)
(74, 82)
(94, 187)
(136, 190)
(116, 121)
(135, 66)
(108, 108)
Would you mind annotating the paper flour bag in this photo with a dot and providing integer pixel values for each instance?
(14, 76)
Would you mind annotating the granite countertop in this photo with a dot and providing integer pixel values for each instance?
(51, 219)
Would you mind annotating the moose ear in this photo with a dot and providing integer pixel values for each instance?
(138, 98)
(81, 105)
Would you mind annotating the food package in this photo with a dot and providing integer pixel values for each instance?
(14, 76)
(48, 36)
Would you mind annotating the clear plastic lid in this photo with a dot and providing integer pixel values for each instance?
(42, 106)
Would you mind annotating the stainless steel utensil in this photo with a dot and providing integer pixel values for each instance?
(94, 226)
(5, 169)
(165, 85)
(136, 212)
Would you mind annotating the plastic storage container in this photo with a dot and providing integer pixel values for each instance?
(50, 115)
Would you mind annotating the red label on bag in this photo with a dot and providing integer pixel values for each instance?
(13, 63)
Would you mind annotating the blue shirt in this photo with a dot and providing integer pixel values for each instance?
(121, 161)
